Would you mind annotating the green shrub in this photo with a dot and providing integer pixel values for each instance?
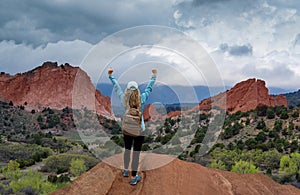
(261, 124)
(278, 125)
(244, 167)
(284, 115)
(217, 164)
(146, 147)
(295, 114)
(77, 167)
(290, 164)
(261, 110)
(25, 154)
(270, 113)
(261, 137)
(61, 163)
(34, 180)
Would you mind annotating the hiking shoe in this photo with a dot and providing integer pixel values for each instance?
(135, 180)
(125, 172)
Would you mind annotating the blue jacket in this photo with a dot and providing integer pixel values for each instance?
(144, 95)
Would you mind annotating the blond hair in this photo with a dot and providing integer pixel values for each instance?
(132, 98)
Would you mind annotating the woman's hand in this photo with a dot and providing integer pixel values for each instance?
(154, 71)
(110, 71)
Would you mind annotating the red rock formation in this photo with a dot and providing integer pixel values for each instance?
(176, 177)
(55, 87)
(150, 113)
(174, 113)
(244, 96)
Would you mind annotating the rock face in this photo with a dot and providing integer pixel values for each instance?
(244, 96)
(150, 113)
(55, 87)
(176, 177)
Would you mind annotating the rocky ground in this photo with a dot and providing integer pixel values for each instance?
(175, 177)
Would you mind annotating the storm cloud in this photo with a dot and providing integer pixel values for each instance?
(237, 34)
(237, 50)
(205, 2)
(39, 22)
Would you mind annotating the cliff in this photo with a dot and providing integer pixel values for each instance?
(55, 87)
(244, 96)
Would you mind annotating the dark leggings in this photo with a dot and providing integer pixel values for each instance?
(137, 146)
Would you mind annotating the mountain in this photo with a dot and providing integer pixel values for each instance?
(176, 177)
(244, 96)
(293, 98)
(277, 90)
(172, 94)
(167, 94)
(52, 86)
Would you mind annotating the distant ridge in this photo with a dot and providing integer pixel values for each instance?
(165, 94)
(293, 98)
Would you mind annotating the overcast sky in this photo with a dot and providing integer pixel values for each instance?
(245, 39)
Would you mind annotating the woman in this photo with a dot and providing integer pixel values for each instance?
(133, 98)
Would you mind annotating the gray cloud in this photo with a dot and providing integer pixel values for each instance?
(20, 58)
(65, 30)
(39, 22)
(237, 50)
(275, 76)
(203, 2)
(296, 40)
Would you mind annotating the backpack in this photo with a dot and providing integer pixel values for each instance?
(131, 124)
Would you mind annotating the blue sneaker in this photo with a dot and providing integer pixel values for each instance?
(125, 172)
(136, 179)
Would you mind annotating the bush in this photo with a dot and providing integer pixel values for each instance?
(295, 114)
(248, 121)
(165, 139)
(294, 146)
(251, 143)
(269, 171)
(27, 182)
(261, 137)
(4, 191)
(278, 110)
(278, 125)
(291, 125)
(230, 146)
(261, 110)
(240, 145)
(12, 171)
(29, 191)
(77, 167)
(145, 147)
(290, 163)
(61, 163)
(63, 178)
(118, 140)
(273, 134)
(217, 164)
(244, 167)
(33, 181)
(284, 115)
(270, 113)
(261, 124)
